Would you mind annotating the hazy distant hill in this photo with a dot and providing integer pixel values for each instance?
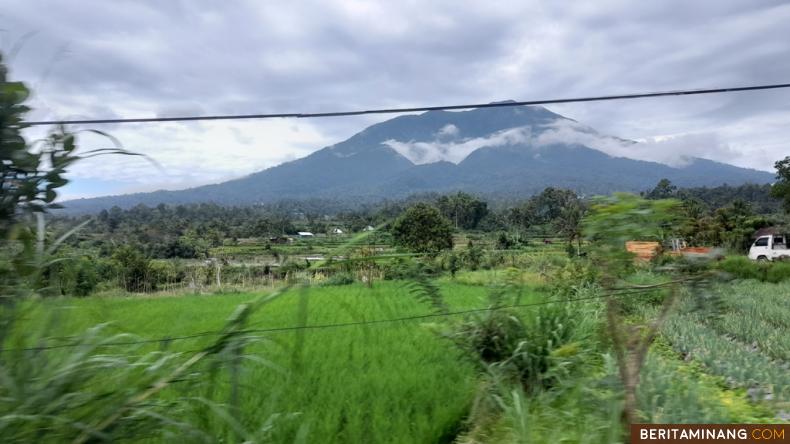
(493, 151)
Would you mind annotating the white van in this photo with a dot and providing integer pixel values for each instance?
(769, 248)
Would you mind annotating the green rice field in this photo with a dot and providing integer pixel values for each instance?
(397, 382)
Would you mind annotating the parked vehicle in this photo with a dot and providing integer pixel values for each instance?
(769, 248)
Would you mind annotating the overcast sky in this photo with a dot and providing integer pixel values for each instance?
(99, 59)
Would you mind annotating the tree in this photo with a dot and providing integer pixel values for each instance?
(548, 206)
(423, 229)
(781, 188)
(134, 268)
(759, 196)
(697, 227)
(465, 210)
(19, 178)
(611, 222)
(663, 190)
(30, 177)
(473, 255)
(569, 224)
(735, 225)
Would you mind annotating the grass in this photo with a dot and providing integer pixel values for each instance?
(400, 382)
(394, 382)
(495, 276)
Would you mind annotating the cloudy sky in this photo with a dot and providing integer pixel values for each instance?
(100, 59)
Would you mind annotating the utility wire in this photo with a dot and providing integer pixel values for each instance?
(687, 92)
(330, 326)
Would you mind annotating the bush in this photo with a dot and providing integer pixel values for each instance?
(134, 269)
(291, 267)
(537, 351)
(74, 276)
(163, 272)
(492, 336)
(400, 268)
(504, 242)
(545, 264)
(569, 279)
(85, 279)
(555, 343)
(742, 267)
(494, 259)
(341, 278)
(778, 272)
(473, 256)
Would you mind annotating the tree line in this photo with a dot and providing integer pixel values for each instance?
(721, 216)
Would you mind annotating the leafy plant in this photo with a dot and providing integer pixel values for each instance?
(423, 229)
(781, 189)
(611, 222)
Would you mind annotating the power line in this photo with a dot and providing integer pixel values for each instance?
(687, 92)
(329, 326)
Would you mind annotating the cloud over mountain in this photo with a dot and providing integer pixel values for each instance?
(164, 58)
(455, 151)
(496, 151)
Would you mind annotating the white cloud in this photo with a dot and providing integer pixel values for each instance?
(675, 150)
(448, 130)
(672, 149)
(421, 153)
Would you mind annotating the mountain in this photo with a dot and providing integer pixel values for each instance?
(492, 151)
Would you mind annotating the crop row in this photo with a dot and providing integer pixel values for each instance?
(772, 340)
(768, 302)
(739, 364)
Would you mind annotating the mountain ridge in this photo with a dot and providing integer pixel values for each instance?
(492, 151)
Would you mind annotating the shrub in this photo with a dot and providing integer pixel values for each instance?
(504, 242)
(341, 278)
(291, 267)
(492, 336)
(545, 264)
(555, 342)
(572, 277)
(494, 259)
(69, 275)
(162, 272)
(85, 278)
(473, 256)
(133, 267)
(778, 272)
(76, 276)
(423, 229)
(536, 351)
(743, 268)
(401, 268)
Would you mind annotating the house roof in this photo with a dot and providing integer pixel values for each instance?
(766, 231)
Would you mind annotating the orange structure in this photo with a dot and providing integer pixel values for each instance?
(643, 250)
